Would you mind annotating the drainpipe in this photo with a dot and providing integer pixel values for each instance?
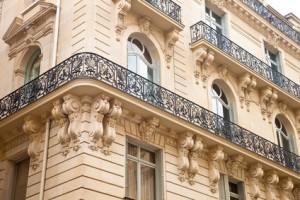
(44, 167)
(55, 40)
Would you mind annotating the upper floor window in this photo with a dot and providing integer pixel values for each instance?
(143, 173)
(33, 66)
(140, 60)
(272, 59)
(20, 179)
(214, 20)
(230, 189)
(284, 139)
(220, 103)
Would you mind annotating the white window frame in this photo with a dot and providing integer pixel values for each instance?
(224, 191)
(158, 166)
(269, 61)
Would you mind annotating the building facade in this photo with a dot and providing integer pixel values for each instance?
(149, 99)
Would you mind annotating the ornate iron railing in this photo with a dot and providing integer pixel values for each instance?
(201, 30)
(89, 65)
(285, 28)
(168, 7)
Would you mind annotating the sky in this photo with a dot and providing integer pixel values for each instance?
(285, 6)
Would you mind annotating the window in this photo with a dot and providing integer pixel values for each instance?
(231, 189)
(140, 60)
(282, 136)
(143, 173)
(20, 179)
(220, 104)
(213, 20)
(33, 66)
(272, 59)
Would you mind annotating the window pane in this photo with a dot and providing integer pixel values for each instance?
(20, 181)
(226, 113)
(285, 143)
(132, 150)
(150, 74)
(137, 46)
(233, 187)
(147, 155)
(131, 185)
(142, 68)
(132, 63)
(147, 183)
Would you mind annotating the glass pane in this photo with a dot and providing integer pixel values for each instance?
(142, 68)
(131, 184)
(216, 90)
(21, 177)
(150, 74)
(226, 113)
(147, 56)
(216, 18)
(147, 155)
(285, 143)
(132, 63)
(233, 198)
(215, 105)
(224, 98)
(233, 188)
(132, 150)
(147, 183)
(137, 46)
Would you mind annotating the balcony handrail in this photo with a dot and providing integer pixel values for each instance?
(90, 65)
(281, 25)
(201, 30)
(168, 7)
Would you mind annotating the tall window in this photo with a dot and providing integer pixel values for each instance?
(214, 20)
(143, 173)
(283, 138)
(139, 59)
(20, 179)
(230, 189)
(220, 104)
(272, 59)
(33, 66)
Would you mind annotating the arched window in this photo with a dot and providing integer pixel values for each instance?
(220, 103)
(140, 60)
(33, 66)
(284, 140)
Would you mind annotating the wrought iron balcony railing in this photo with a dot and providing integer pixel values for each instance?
(285, 28)
(201, 30)
(168, 7)
(89, 65)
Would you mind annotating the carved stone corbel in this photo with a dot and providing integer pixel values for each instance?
(145, 25)
(216, 155)
(171, 38)
(123, 7)
(200, 56)
(296, 192)
(193, 155)
(285, 188)
(271, 180)
(72, 107)
(33, 128)
(223, 72)
(109, 123)
(273, 39)
(255, 173)
(62, 120)
(267, 98)
(147, 129)
(233, 164)
(246, 85)
(99, 108)
(185, 143)
(206, 63)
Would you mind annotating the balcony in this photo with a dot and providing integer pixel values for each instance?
(92, 66)
(264, 12)
(203, 31)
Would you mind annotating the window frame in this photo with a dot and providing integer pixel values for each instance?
(209, 20)
(31, 65)
(283, 132)
(224, 189)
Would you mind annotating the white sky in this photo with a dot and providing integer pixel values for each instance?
(286, 6)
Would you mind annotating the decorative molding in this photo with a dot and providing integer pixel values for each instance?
(285, 189)
(2, 144)
(216, 155)
(123, 7)
(192, 156)
(267, 98)
(255, 173)
(223, 72)
(200, 56)
(273, 39)
(219, 3)
(296, 192)
(271, 180)
(206, 63)
(171, 38)
(233, 164)
(145, 25)
(99, 108)
(297, 117)
(109, 123)
(185, 143)
(62, 120)
(246, 85)
(34, 129)
(147, 129)
(282, 107)
(1, 4)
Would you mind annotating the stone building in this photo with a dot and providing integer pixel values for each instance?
(149, 99)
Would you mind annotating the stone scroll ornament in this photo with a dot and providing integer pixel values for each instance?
(185, 143)
(192, 156)
(109, 123)
(216, 155)
(255, 173)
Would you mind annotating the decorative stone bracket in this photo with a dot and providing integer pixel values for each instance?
(255, 173)
(147, 129)
(271, 180)
(34, 129)
(296, 192)
(267, 98)
(223, 72)
(93, 117)
(171, 38)
(233, 164)
(246, 85)
(282, 107)
(216, 155)
(145, 25)
(285, 187)
(123, 7)
(188, 148)
(204, 59)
